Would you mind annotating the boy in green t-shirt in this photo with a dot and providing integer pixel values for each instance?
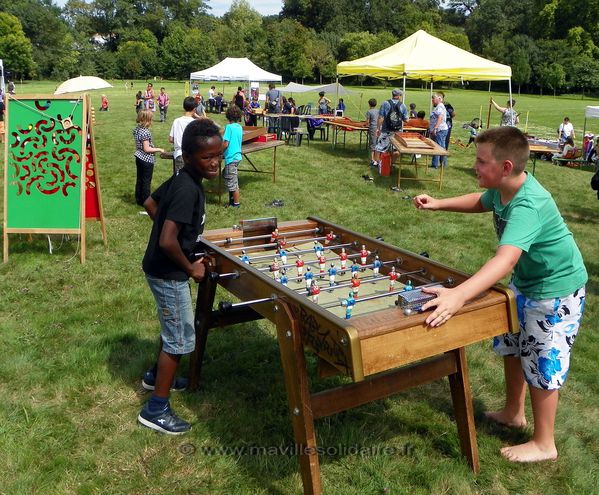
(548, 279)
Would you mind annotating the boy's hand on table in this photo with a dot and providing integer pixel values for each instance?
(447, 303)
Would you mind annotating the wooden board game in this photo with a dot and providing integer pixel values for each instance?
(413, 140)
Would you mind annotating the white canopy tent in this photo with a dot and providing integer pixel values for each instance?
(235, 69)
(590, 112)
(303, 88)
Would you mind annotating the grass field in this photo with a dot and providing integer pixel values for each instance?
(77, 338)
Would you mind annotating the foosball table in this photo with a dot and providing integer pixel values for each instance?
(354, 302)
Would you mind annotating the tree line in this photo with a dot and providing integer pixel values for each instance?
(551, 45)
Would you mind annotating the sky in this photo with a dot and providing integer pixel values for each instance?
(220, 7)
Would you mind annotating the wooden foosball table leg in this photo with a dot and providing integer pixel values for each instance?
(463, 410)
(298, 396)
(203, 323)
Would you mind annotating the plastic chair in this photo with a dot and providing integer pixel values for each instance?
(296, 131)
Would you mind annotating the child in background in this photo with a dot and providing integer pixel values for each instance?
(232, 153)
(341, 105)
(413, 114)
(372, 116)
(473, 130)
(163, 102)
(548, 280)
(139, 101)
(177, 208)
(103, 104)
(144, 155)
(176, 135)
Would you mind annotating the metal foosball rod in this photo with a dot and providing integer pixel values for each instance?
(299, 251)
(386, 294)
(313, 262)
(231, 240)
(291, 242)
(342, 285)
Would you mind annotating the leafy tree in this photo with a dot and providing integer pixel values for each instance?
(552, 76)
(136, 59)
(16, 49)
(178, 60)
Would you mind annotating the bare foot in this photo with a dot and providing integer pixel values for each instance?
(529, 452)
(503, 418)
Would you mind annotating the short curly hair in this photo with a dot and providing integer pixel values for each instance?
(233, 113)
(197, 133)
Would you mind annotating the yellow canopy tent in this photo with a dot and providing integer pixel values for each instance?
(422, 56)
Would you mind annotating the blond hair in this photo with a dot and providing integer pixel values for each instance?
(144, 118)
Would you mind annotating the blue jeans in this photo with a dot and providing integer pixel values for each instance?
(439, 138)
(175, 313)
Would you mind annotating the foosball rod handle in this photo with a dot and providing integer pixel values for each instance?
(226, 306)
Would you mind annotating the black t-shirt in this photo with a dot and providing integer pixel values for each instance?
(180, 199)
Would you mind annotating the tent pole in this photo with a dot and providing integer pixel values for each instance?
(511, 108)
(430, 100)
(584, 129)
(336, 93)
(490, 104)
(404, 88)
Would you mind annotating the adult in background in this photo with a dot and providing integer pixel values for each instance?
(149, 98)
(324, 104)
(508, 114)
(211, 99)
(437, 127)
(392, 114)
(11, 88)
(273, 105)
(449, 116)
(565, 130)
(239, 98)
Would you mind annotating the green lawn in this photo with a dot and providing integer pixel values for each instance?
(78, 337)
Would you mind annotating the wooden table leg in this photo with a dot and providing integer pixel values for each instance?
(203, 312)
(298, 397)
(463, 410)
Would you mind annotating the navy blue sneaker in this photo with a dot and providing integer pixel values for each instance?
(149, 381)
(165, 421)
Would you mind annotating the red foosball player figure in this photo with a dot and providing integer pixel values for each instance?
(392, 278)
(322, 261)
(330, 237)
(299, 263)
(282, 242)
(314, 291)
(355, 284)
(274, 268)
(343, 258)
(364, 254)
(274, 236)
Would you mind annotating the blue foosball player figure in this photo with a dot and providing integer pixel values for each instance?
(349, 305)
(408, 285)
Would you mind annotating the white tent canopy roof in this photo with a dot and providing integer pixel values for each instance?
(235, 69)
(422, 56)
(327, 88)
(592, 112)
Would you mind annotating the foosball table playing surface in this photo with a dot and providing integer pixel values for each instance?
(354, 301)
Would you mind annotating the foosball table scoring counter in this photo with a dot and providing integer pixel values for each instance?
(354, 301)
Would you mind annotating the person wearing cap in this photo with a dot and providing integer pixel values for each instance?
(383, 124)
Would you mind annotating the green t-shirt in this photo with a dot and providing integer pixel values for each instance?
(551, 264)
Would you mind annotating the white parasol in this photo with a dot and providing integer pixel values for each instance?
(81, 83)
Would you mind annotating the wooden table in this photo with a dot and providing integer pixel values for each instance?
(246, 149)
(541, 148)
(381, 348)
(344, 126)
(430, 148)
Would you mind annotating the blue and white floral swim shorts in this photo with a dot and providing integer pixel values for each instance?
(548, 329)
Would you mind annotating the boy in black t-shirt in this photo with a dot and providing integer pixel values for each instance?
(177, 208)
